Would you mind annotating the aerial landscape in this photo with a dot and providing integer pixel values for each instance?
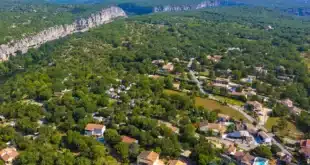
(145, 82)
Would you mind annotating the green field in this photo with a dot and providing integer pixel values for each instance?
(290, 130)
(230, 100)
(213, 105)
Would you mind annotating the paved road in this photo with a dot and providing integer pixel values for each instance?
(237, 108)
(241, 110)
(284, 150)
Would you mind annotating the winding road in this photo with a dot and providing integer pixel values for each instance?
(237, 108)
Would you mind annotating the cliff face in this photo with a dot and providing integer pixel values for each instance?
(174, 8)
(56, 32)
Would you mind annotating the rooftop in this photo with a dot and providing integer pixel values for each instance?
(176, 162)
(149, 155)
(91, 127)
(129, 140)
(8, 154)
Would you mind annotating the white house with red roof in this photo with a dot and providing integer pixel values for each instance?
(94, 129)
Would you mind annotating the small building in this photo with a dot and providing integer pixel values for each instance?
(244, 158)
(248, 79)
(265, 137)
(223, 117)
(231, 150)
(261, 70)
(176, 86)
(176, 162)
(284, 157)
(148, 158)
(186, 153)
(157, 62)
(217, 128)
(254, 105)
(8, 155)
(221, 80)
(305, 149)
(94, 129)
(288, 103)
(169, 67)
(170, 126)
(295, 110)
(215, 58)
(129, 140)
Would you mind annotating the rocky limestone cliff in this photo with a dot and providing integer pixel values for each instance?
(174, 8)
(56, 32)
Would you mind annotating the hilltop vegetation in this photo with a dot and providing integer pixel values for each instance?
(70, 78)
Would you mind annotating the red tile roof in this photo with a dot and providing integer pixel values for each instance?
(8, 154)
(91, 127)
(129, 140)
(176, 162)
(149, 155)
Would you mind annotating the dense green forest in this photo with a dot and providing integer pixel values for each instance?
(69, 78)
(23, 18)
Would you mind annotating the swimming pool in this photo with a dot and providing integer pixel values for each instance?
(260, 161)
(100, 139)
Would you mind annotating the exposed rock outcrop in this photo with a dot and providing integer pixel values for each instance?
(56, 32)
(174, 8)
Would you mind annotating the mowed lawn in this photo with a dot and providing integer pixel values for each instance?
(290, 130)
(213, 105)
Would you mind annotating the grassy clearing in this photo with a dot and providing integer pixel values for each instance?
(230, 100)
(206, 73)
(213, 106)
(290, 130)
(216, 106)
(172, 92)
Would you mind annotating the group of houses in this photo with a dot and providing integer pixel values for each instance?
(145, 157)
(233, 89)
(152, 158)
(167, 67)
(114, 92)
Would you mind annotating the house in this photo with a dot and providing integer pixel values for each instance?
(157, 62)
(248, 79)
(170, 126)
(254, 105)
(186, 153)
(295, 110)
(217, 128)
(94, 130)
(148, 158)
(305, 149)
(288, 103)
(203, 126)
(176, 60)
(244, 158)
(231, 150)
(8, 155)
(219, 80)
(176, 86)
(176, 162)
(261, 70)
(215, 58)
(265, 137)
(129, 140)
(284, 157)
(168, 67)
(223, 118)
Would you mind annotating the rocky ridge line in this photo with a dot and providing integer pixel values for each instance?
(104, 16)
(174, 8)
